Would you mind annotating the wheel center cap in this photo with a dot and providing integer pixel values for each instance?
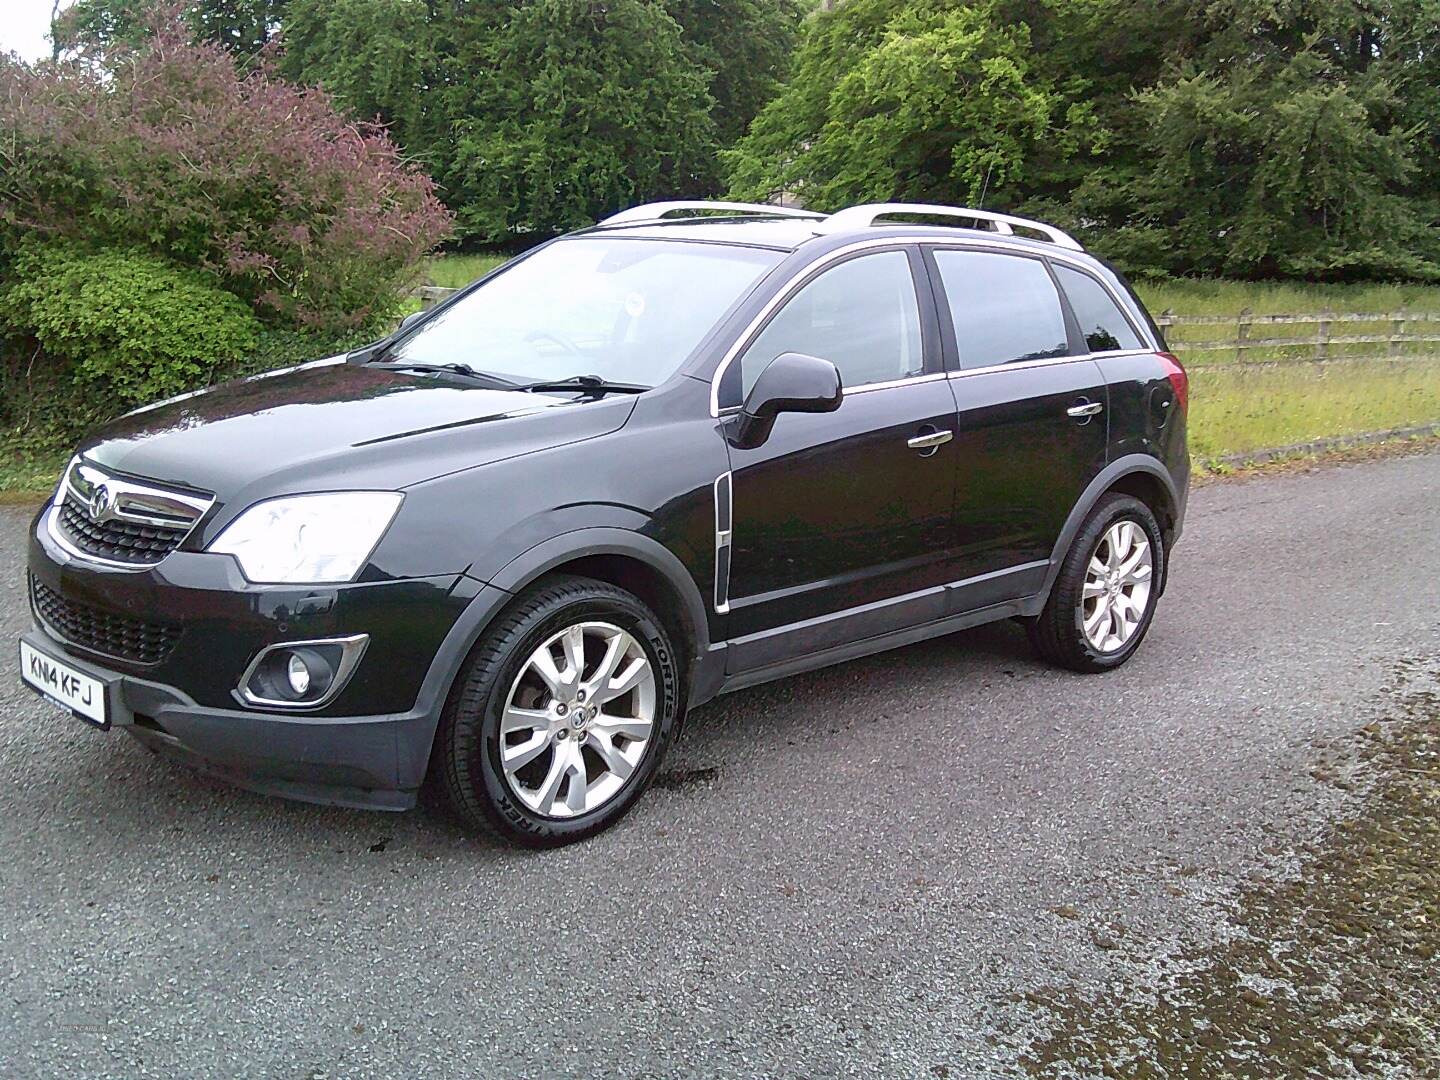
(578, 720)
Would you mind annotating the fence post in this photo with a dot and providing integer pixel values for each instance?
(1397, 333)
(1322, 335)
(1242, 333)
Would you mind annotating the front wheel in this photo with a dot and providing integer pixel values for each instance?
(1104, 597)
(561, 716)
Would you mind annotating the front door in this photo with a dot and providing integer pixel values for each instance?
(842, 523)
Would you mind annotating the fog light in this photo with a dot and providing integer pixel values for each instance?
(300, 674)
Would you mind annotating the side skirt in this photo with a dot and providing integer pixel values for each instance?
(839, 654)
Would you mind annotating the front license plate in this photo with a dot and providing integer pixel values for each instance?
(82, 694)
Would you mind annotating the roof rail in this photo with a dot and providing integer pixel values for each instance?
(858, 217)
(657, 210)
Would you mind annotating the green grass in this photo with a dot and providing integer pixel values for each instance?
(1258, 408)
(1232, 412)
(455, 271)
(28, 479)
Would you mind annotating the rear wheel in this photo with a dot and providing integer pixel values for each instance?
(561, 716)
(1104, 597)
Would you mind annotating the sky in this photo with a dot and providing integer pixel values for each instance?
(24, 26)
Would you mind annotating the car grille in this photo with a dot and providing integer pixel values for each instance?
(121, 521)
(88, 627)
(123, 541)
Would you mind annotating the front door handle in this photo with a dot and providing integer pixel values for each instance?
(930, 441)
(1088, 408)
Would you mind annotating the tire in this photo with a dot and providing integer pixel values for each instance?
(1059, 633)
(508, 708)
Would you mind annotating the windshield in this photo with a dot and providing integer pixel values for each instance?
(629, 311)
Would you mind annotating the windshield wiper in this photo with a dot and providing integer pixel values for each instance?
(464, 370)
(591, 384)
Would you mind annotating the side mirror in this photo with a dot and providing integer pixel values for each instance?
(411, 319)
(792, 382)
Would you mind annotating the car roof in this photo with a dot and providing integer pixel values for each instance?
(790, 234)
(783, 234)
(788, 229)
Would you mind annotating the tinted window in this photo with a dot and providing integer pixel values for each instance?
(627, 310)
(1005, 308)
(1100, 319)
(861, 316)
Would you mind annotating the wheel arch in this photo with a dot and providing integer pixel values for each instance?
(619, 556)
(1139, 475)
(629, 560)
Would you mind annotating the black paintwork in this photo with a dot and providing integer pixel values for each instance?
(845, 540)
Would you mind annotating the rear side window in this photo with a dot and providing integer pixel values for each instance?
(1005, 308)
(1101, 321)
(862, 316)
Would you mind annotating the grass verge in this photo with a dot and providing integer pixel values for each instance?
(1232, 412)
(28, 479)
(1329, 974)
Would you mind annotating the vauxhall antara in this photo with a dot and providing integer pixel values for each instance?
(697, 447)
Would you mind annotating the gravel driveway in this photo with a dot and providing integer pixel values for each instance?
(857, 872)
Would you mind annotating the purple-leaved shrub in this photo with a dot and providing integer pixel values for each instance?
(164, 145)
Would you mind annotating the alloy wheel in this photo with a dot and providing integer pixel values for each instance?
(578, 719)
(1117, 587)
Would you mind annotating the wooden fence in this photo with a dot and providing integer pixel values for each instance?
(1331, 340)
(430, 295)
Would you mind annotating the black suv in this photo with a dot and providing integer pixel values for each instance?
(691, 449)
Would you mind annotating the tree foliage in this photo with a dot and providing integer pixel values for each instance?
(1243, 137)
(588, 108)
(918, 102)
(242, 26)
(540, 115)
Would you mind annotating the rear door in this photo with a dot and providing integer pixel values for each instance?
(1031, 415)
(842, 523)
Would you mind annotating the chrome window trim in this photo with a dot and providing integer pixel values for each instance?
(1048, 361)
(1075, 264)
(775, 302)
(865, 388)
(1140, 332)
(746, 336)
(352, 649)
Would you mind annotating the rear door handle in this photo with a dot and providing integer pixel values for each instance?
(1090, 408)
(930, 440)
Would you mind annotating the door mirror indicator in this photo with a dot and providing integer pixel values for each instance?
(792, 382)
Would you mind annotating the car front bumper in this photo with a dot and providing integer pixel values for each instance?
(374, 762)
(367, 747)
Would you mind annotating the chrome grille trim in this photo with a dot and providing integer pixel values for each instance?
(163, 516)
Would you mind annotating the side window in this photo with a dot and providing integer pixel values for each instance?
(1004, 307)
(1104, 326)
(861, 315)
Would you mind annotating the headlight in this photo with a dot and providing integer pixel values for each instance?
(308, 538)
